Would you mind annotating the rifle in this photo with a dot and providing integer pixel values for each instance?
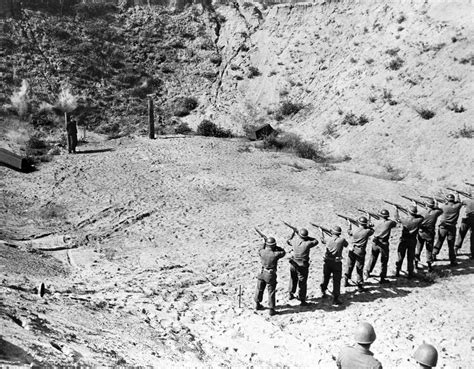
(290, 226)
(417, 202)
(325, 230)
(399, 207)
(352, 221)
(432, 197)
(469, 184)
(373, 215)
(261, 235)
(465, 194)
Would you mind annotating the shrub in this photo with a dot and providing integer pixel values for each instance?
(456, 107)
(353, 60)
(184, 105)
(215, 59)
(369, 61)
(183, 129)
(425, 113)
(352, 120)
(396, 63)
(210, 129)
(294, 143)
(36, 142)
(464, 132)
(289, 108)
(330, 130)
(401, 18)
(392, 52)
(111, 129)
(253, 72)
(372, 99)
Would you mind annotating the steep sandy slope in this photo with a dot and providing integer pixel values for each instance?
(155, 239)
(373, 59)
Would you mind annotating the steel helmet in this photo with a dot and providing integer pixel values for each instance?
(336, 230)
(426, 354)
(384, 213)
(430, 202)
(450, 197)
(363, 220)
(412, 210)
(365, 333)
(303, 232)
(270, 241)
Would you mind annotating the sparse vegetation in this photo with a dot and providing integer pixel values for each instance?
(372, 99)
(369, 61)
(352, 120)
(394, 174)
(330, 130)
(388, 97)
(396, 63)
(457, 108)
(183, 129)
(210, 129)
(293, 143)
(253, 72)
(183, 106)
(425, 113)
(289, 108)
(392, 52)
(464, 132)
(401, 18)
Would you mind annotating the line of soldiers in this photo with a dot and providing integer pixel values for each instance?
(360, 356)
(418, 231)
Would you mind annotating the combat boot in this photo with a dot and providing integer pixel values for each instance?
(346, 282)
(336, 301)
(384, 281)
(272, 312)
(259, 306)
(323, 292)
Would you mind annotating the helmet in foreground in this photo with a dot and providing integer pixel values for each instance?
(426, 354)
(365, 333)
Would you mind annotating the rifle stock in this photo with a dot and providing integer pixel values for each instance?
(399, 207)
(418, 202)
(373, 215)
(353, 221)
(290, 226)
(261, 234)
(465, 194)
(469, 184)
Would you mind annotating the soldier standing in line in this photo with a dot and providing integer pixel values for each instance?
(426, 355)
(299, 263)
(269, 253)
(467, 222)
(426, 233)
(357, 251)
(333, 263)
(447, 227)
(359, 356)
(381, 245)
(71, 131)
(410, 226)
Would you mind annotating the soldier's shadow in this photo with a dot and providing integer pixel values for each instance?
(398, 287)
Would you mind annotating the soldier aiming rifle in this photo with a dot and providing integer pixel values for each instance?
(299, 262)
(397, 206)
(269, 253)
(465, 194)
(322, 229)
(369, 214)
(417, 202)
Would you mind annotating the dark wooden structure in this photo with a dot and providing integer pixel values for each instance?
(12, 160)
(261, 132)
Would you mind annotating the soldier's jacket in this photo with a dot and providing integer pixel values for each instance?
(469, 203)
(450, 215)
(410, 225)
(383, 229)
(357, 358)
(71, 126)
(359, 239)
(334, 248)
(301, 249)
(430, 217)
(269, 258)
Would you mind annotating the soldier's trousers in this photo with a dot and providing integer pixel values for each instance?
(448, 233)
(407, 247)
(269, 281)
(71, 141)
(298, 277)
(379, 248)
(358, 261)
(334, 268)
(466, 224)
(425, 237)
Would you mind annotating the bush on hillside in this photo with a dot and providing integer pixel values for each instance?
(457, 108)
(183, 106)
(425, 113)
(294, 143)
(253, 72)
(352, 120)
(464, 132)
(210, 129)
(396, 63)
(183, 129)
(288, 108)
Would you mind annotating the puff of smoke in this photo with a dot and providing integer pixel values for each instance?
(67, 102)
(19, 99)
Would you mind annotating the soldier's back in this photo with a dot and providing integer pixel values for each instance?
(357, 358)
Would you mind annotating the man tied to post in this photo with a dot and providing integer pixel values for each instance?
(269, 253)
(333, 263)
(299, 263)
(380, 245)
(357, 252)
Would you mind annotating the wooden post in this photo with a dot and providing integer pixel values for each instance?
(151, 118)
(240, 295)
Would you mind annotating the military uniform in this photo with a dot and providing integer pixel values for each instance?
(299, 265)
(269, 257)
(410, 226)
(426, 234)
(467, 223)
(333, 264)
(357, 255)
(357, 357)
(380, 247)
(447, 228)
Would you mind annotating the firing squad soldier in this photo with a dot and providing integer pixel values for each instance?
(426, 233)
(410, 226)
(467, 222)
(333, 263)
(269, 253)
(447, 227)
(381, 245)
(357, 251)
(299, 263)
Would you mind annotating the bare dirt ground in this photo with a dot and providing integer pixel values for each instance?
(142, 246)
